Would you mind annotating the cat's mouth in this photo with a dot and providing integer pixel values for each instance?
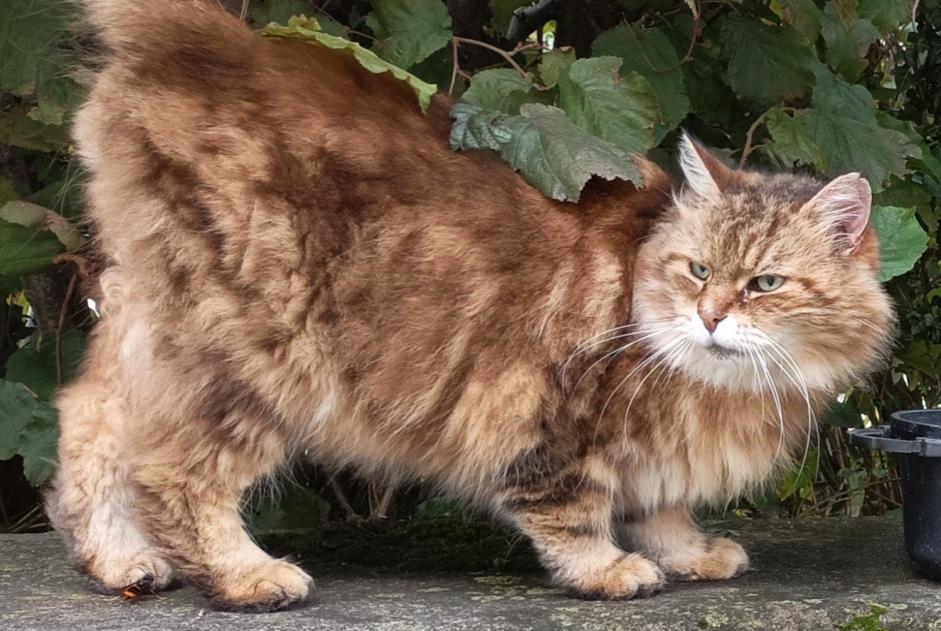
(724, 352)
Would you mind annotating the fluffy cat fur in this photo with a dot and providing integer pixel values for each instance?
(298, 263)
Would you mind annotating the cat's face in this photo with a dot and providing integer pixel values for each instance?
(755, 279)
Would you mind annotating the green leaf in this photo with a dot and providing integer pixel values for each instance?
(18, 129)
(30, 31)
(767, 64)
(800, 477)
(409, 30)
(499, 90)
(28, 428)
(478, 129)
(17, 404)
(650, 53)
(902, 240)
(802, 15)
(710, 98)
(848, 41)
(33, 216)
(554, 64)
(309, 30)
(842, 415)
(921, 355)
(34, 365)
(791, 142)
(37, 444)
(553, 154)
(26, 250)
(840, 133)
(888, 15)
(58, 98)
(559, 157)
(622, 111)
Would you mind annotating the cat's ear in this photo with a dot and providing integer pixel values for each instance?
(844, 206)
(705, 174)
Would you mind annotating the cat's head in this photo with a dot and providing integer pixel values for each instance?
(752, 277)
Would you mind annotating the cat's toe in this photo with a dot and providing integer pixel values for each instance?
(146, 568)
(721, 559)
(632, 576)
(269, 587)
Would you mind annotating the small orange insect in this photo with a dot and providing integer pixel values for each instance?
(140, 587)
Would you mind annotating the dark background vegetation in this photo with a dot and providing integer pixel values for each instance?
(826, 86)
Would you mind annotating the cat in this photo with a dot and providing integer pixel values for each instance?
(297, 263)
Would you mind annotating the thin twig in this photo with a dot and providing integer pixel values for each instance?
(243, 14)
(341, 499)
(456, 67)
(508, 56)
(382, 507)
(63, 311)
(750, 137)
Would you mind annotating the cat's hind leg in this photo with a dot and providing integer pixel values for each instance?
(91, 501)
(683, 551)
(193, 465)
(568, 517)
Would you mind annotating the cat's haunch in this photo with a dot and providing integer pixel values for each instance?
(298, 263)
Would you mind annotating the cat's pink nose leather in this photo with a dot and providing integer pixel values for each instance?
(711, 318)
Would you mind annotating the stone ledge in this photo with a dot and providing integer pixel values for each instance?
(806, 574)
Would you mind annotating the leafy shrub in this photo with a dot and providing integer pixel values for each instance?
(563, 91)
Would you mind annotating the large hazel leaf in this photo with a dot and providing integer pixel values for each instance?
(560, 157)
(840, 133)
(902, 240)
(26, 250)
(767, 64)
(17, 404)
(622, 111)
(650, 53)
(408, 31)
(308, 29)
(553, 154)
(27, 428)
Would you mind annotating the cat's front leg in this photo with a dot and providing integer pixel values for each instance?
(568, 518)
(683, 551)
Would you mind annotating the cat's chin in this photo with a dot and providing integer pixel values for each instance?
(722, 368)
(732, 369)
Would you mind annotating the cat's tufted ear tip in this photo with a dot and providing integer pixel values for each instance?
(705, 174)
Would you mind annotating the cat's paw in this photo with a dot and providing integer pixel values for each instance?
(269, 587)
(146, 567)
(719, 560)
(631, 576)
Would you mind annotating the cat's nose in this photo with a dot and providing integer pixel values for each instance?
(711, 318)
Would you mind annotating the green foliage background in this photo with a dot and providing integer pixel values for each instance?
(564, 91)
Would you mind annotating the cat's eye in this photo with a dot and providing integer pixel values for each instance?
(766, 282)
(699, 270)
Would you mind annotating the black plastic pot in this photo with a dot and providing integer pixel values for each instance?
(916, 436)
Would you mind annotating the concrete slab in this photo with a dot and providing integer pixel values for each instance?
(807, 575)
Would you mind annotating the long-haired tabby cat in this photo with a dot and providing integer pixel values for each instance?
(298, 264)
